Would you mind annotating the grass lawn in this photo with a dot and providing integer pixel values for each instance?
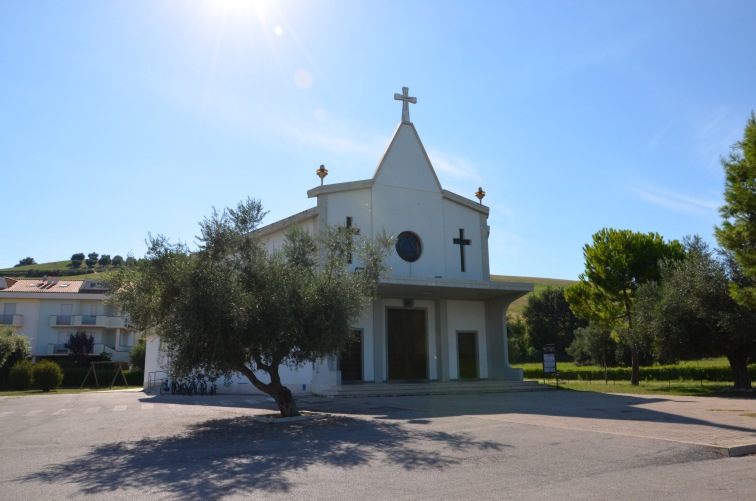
(569, 366)
(654, 383)
(59, 391)
(682, 388)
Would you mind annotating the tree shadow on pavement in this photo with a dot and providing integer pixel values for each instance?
(237, 456)
(559, 404)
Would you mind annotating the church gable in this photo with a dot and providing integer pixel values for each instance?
(405, 164)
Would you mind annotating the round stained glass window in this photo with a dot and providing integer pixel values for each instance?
(408, 246)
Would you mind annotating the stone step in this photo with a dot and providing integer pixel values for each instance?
(430, 388)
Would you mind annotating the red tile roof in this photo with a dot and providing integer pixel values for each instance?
(40, 285)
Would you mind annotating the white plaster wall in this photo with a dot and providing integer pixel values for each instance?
(365, 323)
(274, 241)
(466, 316)
(49, 308)
(402, 209)
(356, 204)
(455, 217)
(29, 309)
(151, 363)
(298, 381)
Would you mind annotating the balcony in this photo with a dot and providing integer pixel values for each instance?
(116, 355)
(14, 320)
(102, 321)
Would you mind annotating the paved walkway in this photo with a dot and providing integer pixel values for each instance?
(726, 424)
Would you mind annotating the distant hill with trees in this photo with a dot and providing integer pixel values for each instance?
(78, 267)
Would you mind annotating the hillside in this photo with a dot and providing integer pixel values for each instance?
(540, 284)
(57, 268)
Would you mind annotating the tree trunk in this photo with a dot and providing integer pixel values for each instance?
(280, 393)
(635, 364)
(739, 366)
(285, 402)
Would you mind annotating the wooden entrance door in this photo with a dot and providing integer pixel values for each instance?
(350, 360)
(406, 330)
(467, 353)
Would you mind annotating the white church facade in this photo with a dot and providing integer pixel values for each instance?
(437, 315)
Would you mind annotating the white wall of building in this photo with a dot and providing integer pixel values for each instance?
(466, 316)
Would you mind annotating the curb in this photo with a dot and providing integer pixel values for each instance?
(737, 450)
(276, 419)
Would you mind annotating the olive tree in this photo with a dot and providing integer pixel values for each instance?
(690, 313)
(13, 346)
(233, 307)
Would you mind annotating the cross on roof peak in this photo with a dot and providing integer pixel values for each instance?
(406, 99)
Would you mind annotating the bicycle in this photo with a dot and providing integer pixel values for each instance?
(191, 386)
(166, 387)
(201, 385)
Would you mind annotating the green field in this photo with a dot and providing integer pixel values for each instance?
(710, 376)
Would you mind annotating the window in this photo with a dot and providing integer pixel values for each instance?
(408, 246)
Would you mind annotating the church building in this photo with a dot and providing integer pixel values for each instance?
(437, 315)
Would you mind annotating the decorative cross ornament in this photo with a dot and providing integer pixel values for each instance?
(462, 241)
(406, 99)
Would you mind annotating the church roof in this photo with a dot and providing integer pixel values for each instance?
(405, 162)
(431, 288)
(405, 159)
(285, 223)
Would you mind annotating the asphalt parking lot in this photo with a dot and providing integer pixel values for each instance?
(504, 446)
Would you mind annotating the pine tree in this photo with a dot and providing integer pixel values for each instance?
(738, 230)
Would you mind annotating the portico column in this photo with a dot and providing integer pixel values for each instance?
(442, 339)
(379, 341)
(496, 342)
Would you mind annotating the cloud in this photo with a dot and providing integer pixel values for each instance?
(337, 142)
(454, 166)
(716, 133)
(678, 202)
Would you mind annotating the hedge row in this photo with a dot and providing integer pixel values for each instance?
(664, 373)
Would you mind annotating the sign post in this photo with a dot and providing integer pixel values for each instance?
(549, 362)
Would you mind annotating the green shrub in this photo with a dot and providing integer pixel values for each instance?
(21, 375)
(138, 354)
(47, 375)
(135, 377)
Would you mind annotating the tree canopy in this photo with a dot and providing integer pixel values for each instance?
(80, 345)
(617, 262)
(549, 320)
(13, 345)
(232, 307)
(690, 313)
(738, 230)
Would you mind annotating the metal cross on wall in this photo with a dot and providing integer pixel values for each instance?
(462, 241)
(406, 99)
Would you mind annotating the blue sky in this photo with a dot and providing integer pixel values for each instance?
(119, 118)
